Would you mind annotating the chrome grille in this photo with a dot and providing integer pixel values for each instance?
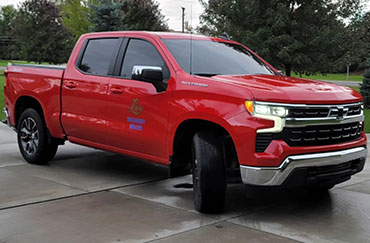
(316, 125)
(321, 135)
(317, 111)
(308, 112)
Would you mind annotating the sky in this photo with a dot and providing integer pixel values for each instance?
(170, 8)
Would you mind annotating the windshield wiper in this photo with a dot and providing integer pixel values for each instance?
(206, 74)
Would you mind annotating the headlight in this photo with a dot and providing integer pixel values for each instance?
(265, 110)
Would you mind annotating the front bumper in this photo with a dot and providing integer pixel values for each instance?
(277, 176)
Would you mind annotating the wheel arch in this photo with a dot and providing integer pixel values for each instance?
(24, 102)
(180, 160)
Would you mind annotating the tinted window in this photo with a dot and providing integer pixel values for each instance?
(212, 58)
(142, 53)
(98, 55)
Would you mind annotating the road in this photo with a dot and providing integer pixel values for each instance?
(87, 195)
(345, 83)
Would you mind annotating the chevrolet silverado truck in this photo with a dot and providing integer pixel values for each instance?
(201, 105)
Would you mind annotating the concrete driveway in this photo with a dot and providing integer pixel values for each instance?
(86, 195)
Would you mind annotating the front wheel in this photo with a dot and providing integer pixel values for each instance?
(209, 172)
(33, 141)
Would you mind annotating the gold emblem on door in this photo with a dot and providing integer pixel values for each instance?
(135, 107)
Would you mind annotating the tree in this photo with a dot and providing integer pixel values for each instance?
(106, 15)
(365, 87)
(7, 42)
(301, 36)
(114, 15)
(75, 16)
(40, 33)
(358, 32)
(143, 15)
(7, 17)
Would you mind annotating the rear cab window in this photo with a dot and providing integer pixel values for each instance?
(98, 56)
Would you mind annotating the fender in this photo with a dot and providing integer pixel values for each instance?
(195, 116)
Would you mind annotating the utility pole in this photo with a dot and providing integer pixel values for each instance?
(348, 71)
(183, 19)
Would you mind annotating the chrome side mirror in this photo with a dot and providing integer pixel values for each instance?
(149, 74)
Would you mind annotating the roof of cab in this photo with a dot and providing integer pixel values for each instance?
(160, 34)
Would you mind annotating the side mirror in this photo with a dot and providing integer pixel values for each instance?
(149, 74)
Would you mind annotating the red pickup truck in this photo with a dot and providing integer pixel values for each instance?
(196, 104)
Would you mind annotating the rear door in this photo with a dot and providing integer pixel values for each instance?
(138, 113)
(85, 90)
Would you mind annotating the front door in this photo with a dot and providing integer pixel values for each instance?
(138, 114)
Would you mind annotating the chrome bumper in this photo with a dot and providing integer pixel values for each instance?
(6, 112)
(275, 176)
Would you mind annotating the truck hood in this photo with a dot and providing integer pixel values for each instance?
(282, 89)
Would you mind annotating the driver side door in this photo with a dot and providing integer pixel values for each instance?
(138, 113)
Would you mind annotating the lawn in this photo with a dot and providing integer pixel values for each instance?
(367, 120)
(333, 76)
(4, 63)
(357, 88)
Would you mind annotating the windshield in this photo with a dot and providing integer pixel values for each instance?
(211, 58)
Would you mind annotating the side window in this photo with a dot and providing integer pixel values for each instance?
(142, 53)
(98, 56)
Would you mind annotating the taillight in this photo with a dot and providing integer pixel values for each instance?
(6, 78)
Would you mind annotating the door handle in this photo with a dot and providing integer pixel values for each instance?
(71, 84)
(116, 90)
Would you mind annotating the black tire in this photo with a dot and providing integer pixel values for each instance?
(209, 173)
(33, 141)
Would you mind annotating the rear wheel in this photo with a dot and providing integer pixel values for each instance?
(33, 141)
(209, 172)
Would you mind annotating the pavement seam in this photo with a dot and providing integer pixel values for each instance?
(260, 230)
(221, 221)
(10, 165)
(183, 232)
(45, 179)
(76, 195)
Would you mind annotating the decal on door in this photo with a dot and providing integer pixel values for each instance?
(136, 123)
(135, 107)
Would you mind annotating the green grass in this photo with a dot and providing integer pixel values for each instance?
(4, 63)
(357, 88)
(367, 120)
(333, 76)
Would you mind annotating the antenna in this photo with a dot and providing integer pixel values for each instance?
(225, 36)
(191, 39)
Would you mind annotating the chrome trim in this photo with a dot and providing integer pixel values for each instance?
(138, 69)
(275, 176)
(302, 122)
(306, 105)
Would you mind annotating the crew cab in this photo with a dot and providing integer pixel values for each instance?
(197, 104)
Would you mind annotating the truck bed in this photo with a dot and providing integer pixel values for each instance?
(42, 83)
